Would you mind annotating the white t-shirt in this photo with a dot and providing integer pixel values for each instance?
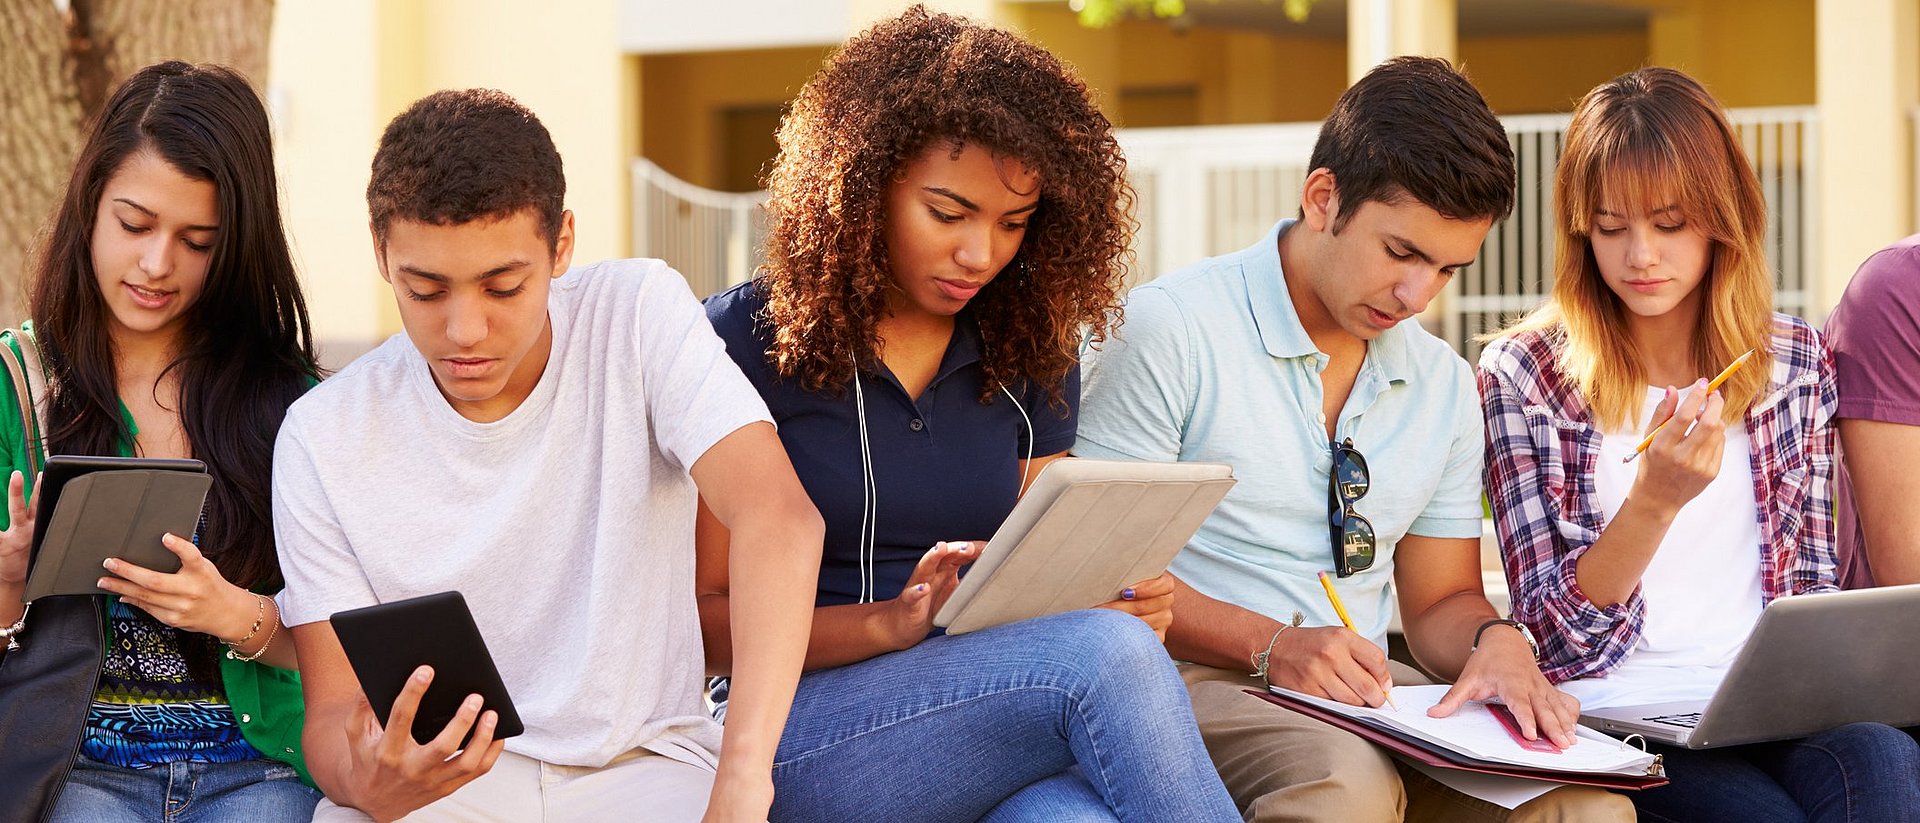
(1702, 588)
(567, 525)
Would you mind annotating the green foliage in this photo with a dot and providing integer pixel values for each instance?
(1102, 13)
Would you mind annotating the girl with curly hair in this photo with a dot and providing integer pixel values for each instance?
(949, 213)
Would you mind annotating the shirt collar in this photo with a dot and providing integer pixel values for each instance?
(964, 348)
(1281, 332)
(1279, 325)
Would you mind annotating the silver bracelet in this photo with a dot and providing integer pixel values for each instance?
(1260, 657)
(11, 632)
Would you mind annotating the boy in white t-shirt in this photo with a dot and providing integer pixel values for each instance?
(537, 441)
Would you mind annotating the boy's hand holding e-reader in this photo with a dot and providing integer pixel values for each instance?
(388, 643)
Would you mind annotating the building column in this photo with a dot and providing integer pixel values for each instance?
(1868, 89)
(1379, 29)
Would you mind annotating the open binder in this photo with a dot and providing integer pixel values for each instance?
(1611, 764)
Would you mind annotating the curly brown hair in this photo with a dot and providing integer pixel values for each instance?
(879, 103)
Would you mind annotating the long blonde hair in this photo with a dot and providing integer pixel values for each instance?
(1654, 137)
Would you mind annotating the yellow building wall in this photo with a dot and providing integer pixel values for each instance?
(1235, 76)
(565, 65)
(340, 69)
(1548, 72)
(1746, 52)
(321, 82)
(683, 97)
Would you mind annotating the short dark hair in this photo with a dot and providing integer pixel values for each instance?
(1416, 126)
(458, 156)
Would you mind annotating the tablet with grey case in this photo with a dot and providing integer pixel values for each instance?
(93, 508)
(1083, 531)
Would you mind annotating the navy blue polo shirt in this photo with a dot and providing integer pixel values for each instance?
(946, 466)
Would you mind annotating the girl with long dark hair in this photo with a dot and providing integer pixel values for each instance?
(167, 322)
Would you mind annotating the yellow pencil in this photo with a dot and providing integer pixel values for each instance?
(1340, 609)
(1711, 385)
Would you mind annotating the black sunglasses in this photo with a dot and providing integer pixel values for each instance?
(1352, 535)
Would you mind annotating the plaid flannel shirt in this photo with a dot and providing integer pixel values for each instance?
(1543, 448)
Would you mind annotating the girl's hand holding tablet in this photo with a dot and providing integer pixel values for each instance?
(16, 543)
(1149, 600)
(196, 598)
(908, 619)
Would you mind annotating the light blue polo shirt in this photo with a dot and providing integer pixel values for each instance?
(1212, 364)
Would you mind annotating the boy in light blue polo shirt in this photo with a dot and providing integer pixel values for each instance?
(1358, 442)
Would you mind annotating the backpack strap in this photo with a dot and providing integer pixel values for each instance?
(22, 364)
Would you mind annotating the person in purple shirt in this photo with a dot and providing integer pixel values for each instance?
(1874, 337)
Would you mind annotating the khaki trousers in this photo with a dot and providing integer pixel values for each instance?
(1282, 766)
(519, 789)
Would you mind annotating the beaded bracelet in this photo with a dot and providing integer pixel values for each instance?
(271, 631)
(11, 633)
(259, 617)
(1260, 658)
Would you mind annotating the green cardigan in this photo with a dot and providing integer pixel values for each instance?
(266, 700)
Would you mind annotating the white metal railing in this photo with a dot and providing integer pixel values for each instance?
(1209, 190)
(714, 238)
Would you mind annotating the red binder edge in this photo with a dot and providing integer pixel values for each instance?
(1422, 752)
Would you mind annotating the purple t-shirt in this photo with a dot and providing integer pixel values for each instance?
(1874, 335)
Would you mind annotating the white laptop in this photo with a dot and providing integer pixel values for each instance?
(1813, 663)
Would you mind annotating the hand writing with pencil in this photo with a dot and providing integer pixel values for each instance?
(1331, 662)
(1684, 455)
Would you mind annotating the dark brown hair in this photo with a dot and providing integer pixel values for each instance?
(246, 351)
(1413, 126)
(909, 83)
(458, 156)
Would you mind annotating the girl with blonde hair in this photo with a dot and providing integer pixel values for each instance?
(1642, 578)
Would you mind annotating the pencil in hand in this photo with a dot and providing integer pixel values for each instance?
(1711, 386)
(1341, 609)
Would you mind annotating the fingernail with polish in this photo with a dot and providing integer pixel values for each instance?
(1126, 594)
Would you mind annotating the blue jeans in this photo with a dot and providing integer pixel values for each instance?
(1858, 772)
(254, 791)
(1071, 717)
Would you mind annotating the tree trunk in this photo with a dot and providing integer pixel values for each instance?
(57, 70)
(39, 134)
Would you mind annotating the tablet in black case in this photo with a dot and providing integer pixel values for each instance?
(386, 642)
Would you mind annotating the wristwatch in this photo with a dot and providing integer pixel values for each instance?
(1525, 634)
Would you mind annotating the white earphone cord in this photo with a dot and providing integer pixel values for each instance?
(870, 504)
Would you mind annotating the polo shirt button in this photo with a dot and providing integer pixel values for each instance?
(246, 718)
(917, 424)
